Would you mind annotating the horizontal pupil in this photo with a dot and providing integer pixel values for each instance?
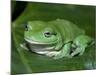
(47, 33)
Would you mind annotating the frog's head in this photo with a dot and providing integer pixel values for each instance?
(41, 33)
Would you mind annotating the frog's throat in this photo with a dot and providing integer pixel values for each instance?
(37, 42)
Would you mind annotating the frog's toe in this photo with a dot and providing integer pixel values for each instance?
(57, 57)
(78, 51)
(51, 54)
(75, 52)
(23, 46)
(82, 50)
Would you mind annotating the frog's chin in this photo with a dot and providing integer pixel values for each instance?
(40, 48)
(35, 42)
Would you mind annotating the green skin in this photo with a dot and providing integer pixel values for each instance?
(57, 39)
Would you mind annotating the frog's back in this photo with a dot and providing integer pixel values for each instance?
(67, 30)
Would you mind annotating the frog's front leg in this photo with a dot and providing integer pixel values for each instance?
(64, 52)
(81, 42)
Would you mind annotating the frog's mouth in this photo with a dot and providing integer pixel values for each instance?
(38, 42)
(40, 48)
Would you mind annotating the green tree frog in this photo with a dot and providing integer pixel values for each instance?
(57, 39)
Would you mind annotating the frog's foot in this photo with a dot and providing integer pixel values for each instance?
(64, 52)
(80, 43)
(52, 54)
(78, 51)
(24, 46)
(59, 55)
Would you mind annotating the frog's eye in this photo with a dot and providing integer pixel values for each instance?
(47, 34)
